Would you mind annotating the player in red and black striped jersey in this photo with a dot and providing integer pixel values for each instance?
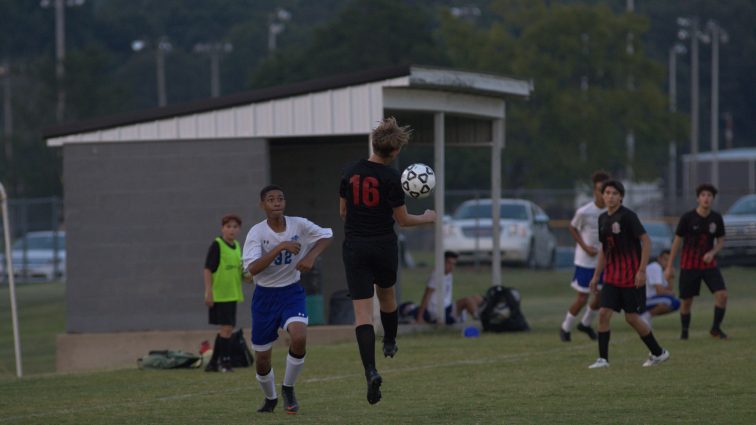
(370, 199)
(701, 232)
(623, 258)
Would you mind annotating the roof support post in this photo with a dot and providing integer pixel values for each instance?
(439, 140)
(496, 147)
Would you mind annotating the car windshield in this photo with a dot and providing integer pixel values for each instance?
(744, 206)
(41, 242)
(659, 230)
(481, 210)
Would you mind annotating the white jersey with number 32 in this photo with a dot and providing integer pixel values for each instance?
(261, 239)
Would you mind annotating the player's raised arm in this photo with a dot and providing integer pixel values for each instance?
(261, 263)
(342, 207)
(405, 219)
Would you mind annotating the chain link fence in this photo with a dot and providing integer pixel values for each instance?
(38, 240)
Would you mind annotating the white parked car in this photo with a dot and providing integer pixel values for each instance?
(525, 234)
(740, 232)
(38, 256)
(661, 236)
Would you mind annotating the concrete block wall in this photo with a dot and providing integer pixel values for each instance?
(139, 219)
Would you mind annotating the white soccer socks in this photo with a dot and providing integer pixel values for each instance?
(293, 369)
(268, 384)
(588, 317)
(569, 322)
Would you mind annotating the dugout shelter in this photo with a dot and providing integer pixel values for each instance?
(144, 191)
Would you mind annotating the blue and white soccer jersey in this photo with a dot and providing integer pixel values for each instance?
(654, 278)
(278, 299)
(586, 223)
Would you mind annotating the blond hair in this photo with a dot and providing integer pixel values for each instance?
(389, 136)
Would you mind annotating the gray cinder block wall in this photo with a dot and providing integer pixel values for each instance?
(140, 217)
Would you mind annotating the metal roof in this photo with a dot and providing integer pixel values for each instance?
(338, 95)
(736, 154)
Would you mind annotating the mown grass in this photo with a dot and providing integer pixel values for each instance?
(438, 377)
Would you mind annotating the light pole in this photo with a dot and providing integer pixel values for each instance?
(276, 24)
(162, 47)
(677, 49)
(630, 137)
(470, 13)
(5, 73)
(214, 50)
(689, 29)
(60, 49)
(716, 34)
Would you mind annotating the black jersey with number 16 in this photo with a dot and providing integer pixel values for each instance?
(372, 191)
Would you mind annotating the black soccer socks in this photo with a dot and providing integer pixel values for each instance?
(652, 345)
(603, 343)
(390, 322)
(719, 314)
(366, 342)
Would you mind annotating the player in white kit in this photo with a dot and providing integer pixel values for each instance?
(584, 229)
(275, 252)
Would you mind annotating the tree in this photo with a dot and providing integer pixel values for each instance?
(365, 34)
(582, 106)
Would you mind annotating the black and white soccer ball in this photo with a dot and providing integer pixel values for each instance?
(418, 180)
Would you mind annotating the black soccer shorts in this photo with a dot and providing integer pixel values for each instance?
(690, 281)
(369, 262)
(632, 300)
(222, 313)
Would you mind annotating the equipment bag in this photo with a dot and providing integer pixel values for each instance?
(169, 359)
(501, 312)
(241, 356)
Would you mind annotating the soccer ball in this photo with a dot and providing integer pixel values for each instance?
(418, 180)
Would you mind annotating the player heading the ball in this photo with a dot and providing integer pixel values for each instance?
(370, 199)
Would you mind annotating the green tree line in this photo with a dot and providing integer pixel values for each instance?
(589, 91)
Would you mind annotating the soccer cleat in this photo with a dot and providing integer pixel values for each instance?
(291, 406)
(268, 406)
(564, 335)
(599, 363)
(655, 360)
(718, 333)
(374, 382)
(389, 349)
(684, 335)
(588, 331)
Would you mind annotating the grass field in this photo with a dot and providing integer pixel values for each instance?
(437, 377)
